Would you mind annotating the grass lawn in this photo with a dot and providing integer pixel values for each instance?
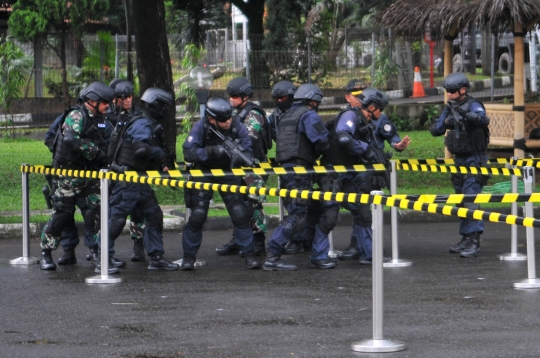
(34, 152)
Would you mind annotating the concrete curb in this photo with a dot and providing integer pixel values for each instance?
(177, 222)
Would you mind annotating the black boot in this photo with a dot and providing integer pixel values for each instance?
(351, 252)
(259, 248)
(96, 258)
(116, 262)
(230, 248)
(46, 262)
(293, 247)
(188, 263)
(251, 261)
(68, 258)
(460, 246)
(322, 264)
(138, 251)
(157, 262)
(472, 247)
(275, 263)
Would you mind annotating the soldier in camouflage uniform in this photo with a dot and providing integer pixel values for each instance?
(80, 144)
(254, 118)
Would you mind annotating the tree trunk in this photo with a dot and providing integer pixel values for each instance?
(153, 60)
(253, 10)
(128, 41)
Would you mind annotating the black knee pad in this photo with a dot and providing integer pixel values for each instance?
(66, 204)
(240, 215)
(90, 222)
(154, 217)
(117, 225)
(330, 219)
(365, 218)
(197, 217)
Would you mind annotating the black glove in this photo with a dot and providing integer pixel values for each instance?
(449, 121)
(100, 156)
(217, 152)
(473, 117)
(520, 144)
(369, 156)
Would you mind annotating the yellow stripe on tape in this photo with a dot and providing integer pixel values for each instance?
(509, 198)
(462, 212)
(447, 210)
(494, 217)
(482, 198)
(153, 174)
(477, 214)
(175, 173)
(455, 199)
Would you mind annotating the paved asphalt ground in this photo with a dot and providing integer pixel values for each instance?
(441, 306)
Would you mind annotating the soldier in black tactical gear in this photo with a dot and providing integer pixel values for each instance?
(80, 144)
(301, 138)
(283, 95)
(258, 126)
(141, 147)
(467, 139)
(123, 99)
(205, 150)
(384, 131)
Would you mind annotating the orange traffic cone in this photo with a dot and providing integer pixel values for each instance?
(418, 87)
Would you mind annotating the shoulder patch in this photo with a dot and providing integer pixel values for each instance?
(387, 127)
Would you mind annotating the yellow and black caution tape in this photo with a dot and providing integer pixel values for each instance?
(265, 169)
(470, 198)
(458, 170)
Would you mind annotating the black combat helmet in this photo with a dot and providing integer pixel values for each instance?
(309, 91)
(116, 81)
(218, 108)
(282, 89)
(239, 86)
(455, 81)
(97, 91)
(123, 89)
(373, 96)
(156, 102)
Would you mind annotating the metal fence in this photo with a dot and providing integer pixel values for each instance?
(375, 56)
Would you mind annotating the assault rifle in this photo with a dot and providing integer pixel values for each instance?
(458, 120)
(48, 190)
(381, 157)
(234, 148)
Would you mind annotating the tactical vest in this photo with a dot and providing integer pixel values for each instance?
(95, 130)
(210, 139)
(264, 142)
(466, 139)
(125, 151)
(338, 154)
(290, 144)
(274, 122)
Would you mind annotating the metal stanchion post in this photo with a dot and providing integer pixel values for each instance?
(378, 344)
(396, 261)
(104, 234)
(513, 255)
(25, 259)
(332, 253)
(531, 281)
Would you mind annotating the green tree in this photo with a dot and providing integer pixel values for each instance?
(31, 19)
(13, 68)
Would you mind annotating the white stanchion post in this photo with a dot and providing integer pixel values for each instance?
(280, 201)
(531, 281)
(331, 252)
(104, 234)
(513, 255)
(396, 261)
(25, 259)
(378, 344)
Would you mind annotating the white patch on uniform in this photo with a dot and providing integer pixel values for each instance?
(350, 123)
(387, 127)
(189, 139)
(101, 125)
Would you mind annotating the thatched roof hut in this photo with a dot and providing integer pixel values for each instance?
(449, 17)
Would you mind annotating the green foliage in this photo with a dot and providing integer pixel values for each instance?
(430, 113)
(13, 67)
(100, 59)
(192, 56)
(385, 68)
(402, 124)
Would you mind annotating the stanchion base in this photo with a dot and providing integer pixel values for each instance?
(528, 283)
(397, 263)
(197, 263)
(378, 346)
(333, 254)
(513, 256)
(24, 261)
(103, 279)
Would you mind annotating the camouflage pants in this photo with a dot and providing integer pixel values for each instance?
(68, 190)
(258, 219)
